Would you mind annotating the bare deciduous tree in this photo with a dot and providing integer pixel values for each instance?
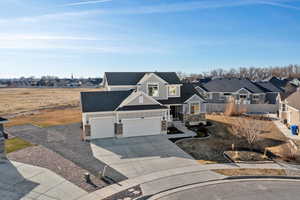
(248, 128)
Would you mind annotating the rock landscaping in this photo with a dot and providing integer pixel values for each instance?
(43, 157)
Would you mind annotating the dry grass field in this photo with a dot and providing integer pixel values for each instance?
(20, 100)
(40, 106)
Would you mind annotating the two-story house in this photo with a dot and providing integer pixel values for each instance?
(237, 90)
(139, 103)
(289, 111)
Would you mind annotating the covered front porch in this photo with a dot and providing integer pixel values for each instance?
(193, 113)
(175, 113)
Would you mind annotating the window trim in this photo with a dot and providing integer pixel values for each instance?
(177, 92)
(157, 84)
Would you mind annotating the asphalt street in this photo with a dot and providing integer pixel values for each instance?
(244, 190)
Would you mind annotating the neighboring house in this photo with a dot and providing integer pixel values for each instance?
(237, 90)
(279, 83)
(289, 111)
(3, 136)
(272, 92)
(139, 103)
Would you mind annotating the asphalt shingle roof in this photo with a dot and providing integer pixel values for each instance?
(132, 78)
(278, 82)
(103, 100)
(142, 107)
(267, 86)
(231, 85)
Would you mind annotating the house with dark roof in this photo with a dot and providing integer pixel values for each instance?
(224, 90)
(3, 136)
(139, 103)
(289, 111)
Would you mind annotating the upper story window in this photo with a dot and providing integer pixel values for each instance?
(153, 90)
(173, 90)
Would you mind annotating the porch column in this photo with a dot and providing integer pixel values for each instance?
(169, 115)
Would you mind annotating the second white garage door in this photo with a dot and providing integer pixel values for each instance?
(141, 126)
(102, 127)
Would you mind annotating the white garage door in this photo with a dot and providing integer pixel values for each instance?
(141, 127)
(102, 127)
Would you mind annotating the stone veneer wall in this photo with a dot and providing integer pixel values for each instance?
(164, 125)
(194, 118)
(118, 129)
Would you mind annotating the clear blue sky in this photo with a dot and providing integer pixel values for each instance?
(89, 37)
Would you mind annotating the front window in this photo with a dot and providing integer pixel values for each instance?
(243, 96)
(195, 108)
(255, 97)
(153, 90)
(172, 90)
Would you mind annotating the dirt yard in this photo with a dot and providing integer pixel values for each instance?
(222, 137)
(14, 101)
(40, 106)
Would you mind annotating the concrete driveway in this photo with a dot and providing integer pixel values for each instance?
(137, 156)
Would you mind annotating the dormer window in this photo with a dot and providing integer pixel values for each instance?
(153, 90)
(173, 90)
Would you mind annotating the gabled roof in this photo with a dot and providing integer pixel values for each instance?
(132, 78)
(231, 85)
(293, 99)
(103, 100)
(267, 86)
(106, 101)
(186, 92)
(278, 82)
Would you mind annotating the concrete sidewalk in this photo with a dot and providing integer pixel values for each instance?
(186, 132)
(21, 181)
(168, 179)
(285, 130)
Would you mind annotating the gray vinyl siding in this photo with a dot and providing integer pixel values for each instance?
(146, 101)
(132, 115)
(163, 89)
(87, 116)
(215, 96)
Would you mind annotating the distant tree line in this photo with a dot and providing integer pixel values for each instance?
(252, 73)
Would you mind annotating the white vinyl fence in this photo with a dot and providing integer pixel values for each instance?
(253, 108)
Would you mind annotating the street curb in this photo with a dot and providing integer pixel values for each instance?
(261, 177)
(220, 181)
